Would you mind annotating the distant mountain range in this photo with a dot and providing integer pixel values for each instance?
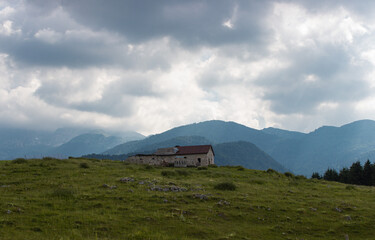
(233, 153)
(326, 147)
(61, 143)
(234, 144)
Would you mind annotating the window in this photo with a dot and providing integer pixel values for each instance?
(199, 160)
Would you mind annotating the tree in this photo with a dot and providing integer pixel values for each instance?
(331, 175)
(356, 173)
(367, 173)
(344, 175)
(316, 175)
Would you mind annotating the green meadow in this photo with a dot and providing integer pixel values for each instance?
(103, 199)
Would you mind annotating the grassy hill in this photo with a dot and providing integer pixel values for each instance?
(99, 199)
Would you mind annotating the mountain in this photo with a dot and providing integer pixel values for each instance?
(234, 153)
(327, 147)
(214, 131)
(245, 154)
(26, 143)
(284, 134)
(85, 144)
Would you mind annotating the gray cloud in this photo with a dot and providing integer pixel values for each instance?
(261, 63)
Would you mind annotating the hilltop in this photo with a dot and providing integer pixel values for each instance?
(102, 199)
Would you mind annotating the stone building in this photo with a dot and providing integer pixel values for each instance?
(178, 156)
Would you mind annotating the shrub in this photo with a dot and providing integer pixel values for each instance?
(226, 186)
(213, 166)
(299, 177)
(240, 168)
(202, 168)
(19, 160)
(350, 187)
(270, 170)
(289, 174)
(84, 165)
(149, 167)
(182, 172)
(167, 173)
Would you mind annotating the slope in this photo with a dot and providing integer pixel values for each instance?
(245, 154)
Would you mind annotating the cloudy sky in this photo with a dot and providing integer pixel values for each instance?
(151, 65)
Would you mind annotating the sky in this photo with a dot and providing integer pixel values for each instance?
(148, 66)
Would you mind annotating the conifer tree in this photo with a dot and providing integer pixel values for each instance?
(367, 173)
(356, 173)
(316, 175)
(331, 175)
(344, 175)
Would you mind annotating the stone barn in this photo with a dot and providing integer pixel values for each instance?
(178, 156)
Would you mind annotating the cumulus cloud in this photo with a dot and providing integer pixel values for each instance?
(149, 66)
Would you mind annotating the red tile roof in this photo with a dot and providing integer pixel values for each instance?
(199, 149)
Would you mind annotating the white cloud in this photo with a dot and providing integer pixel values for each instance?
(48, 35)
(6, 28)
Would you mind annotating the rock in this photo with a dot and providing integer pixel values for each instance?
(201, 196)
(313, 209)
(130, 190)
(167, 189)
(348, 218)
(223, 202)
(110, 187)
(127, 179)
(338, 209)
(9, 211)
(346, 237)
(141, 182)
(165, 200)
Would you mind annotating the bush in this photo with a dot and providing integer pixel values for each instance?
(226, 186)
(84, 165)
(149, 167)
(202, 168)
(289, 174)
(213, 166)
(270, 170)
(350, 187)
(299, 177)
(182, 172)
(168, 173)
(19, 160)
(240, 168)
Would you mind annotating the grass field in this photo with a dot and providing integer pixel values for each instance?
(85, 199)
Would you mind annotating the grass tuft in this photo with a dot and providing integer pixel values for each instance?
(226, 186)
(202, 168)
(19, 161)
(289, 174)
(64, 193)
(168, 173)
(84, 165)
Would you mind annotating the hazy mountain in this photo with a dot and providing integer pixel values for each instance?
(214, 131)
(234, 153)
(34, 143)
(245, 154)
(284, 134)
(85, 144)
(333, 147)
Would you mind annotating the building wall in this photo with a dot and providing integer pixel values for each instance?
(176, 160)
